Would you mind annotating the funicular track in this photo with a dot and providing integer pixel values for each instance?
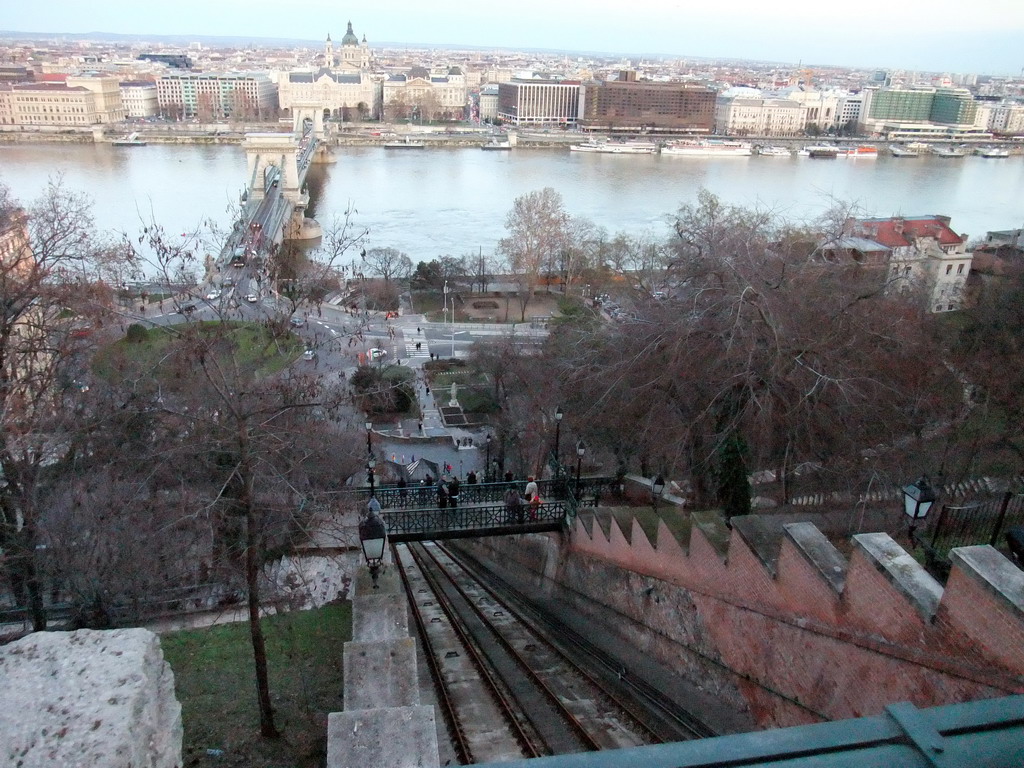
(506, 685)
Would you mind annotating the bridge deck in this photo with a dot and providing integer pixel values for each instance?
(434, 523)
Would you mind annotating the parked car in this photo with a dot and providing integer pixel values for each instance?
(376, 353)
(297, 321)
(309, 354)
(213, 295)
(252, 298)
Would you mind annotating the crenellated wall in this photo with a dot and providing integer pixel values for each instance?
(779, 623)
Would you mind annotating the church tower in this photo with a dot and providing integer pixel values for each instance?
(329, 52)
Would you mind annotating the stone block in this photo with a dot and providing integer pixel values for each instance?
(402, 737)
(88, 698)
(381, 674)
(380, 617)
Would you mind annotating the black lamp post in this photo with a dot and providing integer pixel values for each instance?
(371, 462)
(917, 501)
(657, 486)
(487, 463)
(369, 427)
(581, 450)
(558, 434)
(372, 538)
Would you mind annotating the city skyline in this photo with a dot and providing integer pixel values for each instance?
(918, 35)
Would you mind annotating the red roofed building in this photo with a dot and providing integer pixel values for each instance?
(923, 253)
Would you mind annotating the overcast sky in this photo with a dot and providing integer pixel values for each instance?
(981, 36)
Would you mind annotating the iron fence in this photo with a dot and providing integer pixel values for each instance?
(461, 522)
(589, 493)
(982, 522)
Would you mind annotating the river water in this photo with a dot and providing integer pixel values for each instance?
(435, 202)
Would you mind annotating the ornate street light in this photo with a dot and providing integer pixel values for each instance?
(487, 462)
(657, 486)
(581, 450)
(369, 427)
(917, 501)
(558, 433)
(373, 537)
(370, 464)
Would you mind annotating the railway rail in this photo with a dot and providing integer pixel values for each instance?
(511, 684)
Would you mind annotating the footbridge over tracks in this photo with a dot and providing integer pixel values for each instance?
(413, 514)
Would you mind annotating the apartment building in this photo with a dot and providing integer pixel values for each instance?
(139, 98)
(107, 95)
(215, 96)
(424, 94)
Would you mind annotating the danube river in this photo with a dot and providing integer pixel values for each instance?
(453, 201)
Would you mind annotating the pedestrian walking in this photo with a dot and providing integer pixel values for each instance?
(471, 478)
(509, 477)
(453, 492)
(402, 489)
(513, 506)
(531, 488)
(442, 494)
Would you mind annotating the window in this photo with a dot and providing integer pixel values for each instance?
(959, 269)
(949, 268)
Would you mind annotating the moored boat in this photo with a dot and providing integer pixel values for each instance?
(708, 148)
(131, 140)
(862, 151)
(496, 145)
(899, 151)
(821, 151)
(630, 147)
(406, 144)
(994, 152)
(949, 152)
(774, 151)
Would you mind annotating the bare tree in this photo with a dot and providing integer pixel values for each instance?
(389, 263)
(50, 253)
(536, 228)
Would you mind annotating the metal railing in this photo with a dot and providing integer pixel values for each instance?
(978, 523)
(588, 494)
(462, 522)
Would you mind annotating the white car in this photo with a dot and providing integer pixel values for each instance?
(309, 354)
(213, 295)
(376, 353)
(252, 298)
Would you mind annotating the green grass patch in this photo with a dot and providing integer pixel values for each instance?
(214, 680)
(251, 348)
(475, 393)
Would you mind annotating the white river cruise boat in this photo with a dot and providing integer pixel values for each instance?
(631, 147)
(708, 148)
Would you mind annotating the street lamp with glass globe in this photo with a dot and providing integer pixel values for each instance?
(581, 450)
(558, 433)
(373, 539)
(917, 501)
(371, 462)
(487, 462)
(657, 486)
(369, 427)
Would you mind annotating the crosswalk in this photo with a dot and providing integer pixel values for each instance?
(411, 351)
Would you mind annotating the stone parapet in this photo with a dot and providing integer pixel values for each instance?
(96, 698)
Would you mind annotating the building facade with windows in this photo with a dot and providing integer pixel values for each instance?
(139, 98)
(215, 96)
(340, 94)
(52, 104)
(426, 95)
(921, 254)
(539, 102)
(632, 105)
(107, 95)
(740, 116)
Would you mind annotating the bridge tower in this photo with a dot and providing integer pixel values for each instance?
(267, 152)
(312, 112)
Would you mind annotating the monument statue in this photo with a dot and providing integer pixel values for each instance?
(454, 403)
